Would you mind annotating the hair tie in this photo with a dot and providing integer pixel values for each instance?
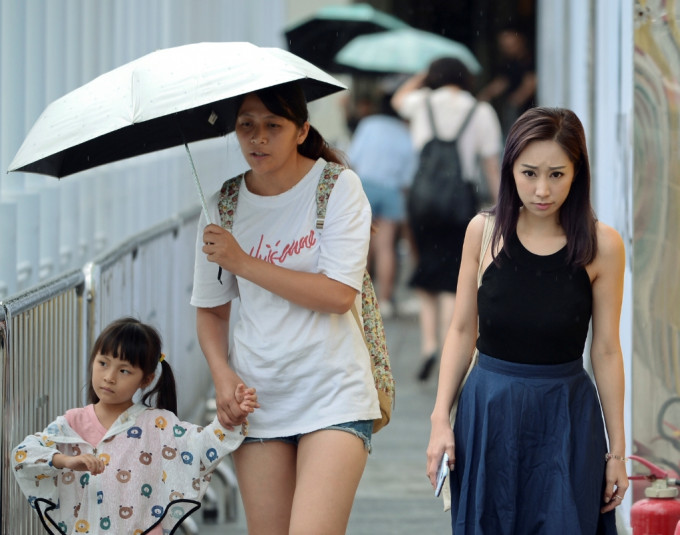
(162, 357)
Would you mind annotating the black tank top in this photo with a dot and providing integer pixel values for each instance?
(533, 309)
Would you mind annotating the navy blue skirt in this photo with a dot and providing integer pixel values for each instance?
(530, 446)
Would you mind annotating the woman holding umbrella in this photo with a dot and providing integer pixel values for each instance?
(295, 339)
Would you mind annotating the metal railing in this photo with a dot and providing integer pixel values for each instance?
(41, 357)
(47, 331)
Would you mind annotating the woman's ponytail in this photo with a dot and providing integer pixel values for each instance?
(315, 146)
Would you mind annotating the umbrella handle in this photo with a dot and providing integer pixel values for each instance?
(198, 185)
(202, 198)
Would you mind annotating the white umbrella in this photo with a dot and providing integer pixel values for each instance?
(167, 98)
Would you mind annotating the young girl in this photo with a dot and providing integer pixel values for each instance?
(295, 337)
(118, 466)
(531, 452)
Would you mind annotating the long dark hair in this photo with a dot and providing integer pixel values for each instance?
(288, 101)
(139, 344)
(576, 214)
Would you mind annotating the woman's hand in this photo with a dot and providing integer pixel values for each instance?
(441, 441)
(616, 484)
(233, 403)
(222, 248)
(85, 462)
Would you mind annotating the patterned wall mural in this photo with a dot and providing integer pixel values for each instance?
(656, 254)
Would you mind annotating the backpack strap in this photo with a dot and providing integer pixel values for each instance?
(467, 120)
(226, 203)
(430, 115)
(329, 176)
(463, 126)
(229, 195)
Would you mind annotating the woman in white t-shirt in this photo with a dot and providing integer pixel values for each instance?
(295, 339)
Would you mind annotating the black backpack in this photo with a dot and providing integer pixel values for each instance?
(439, 195)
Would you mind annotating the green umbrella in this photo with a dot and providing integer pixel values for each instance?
(319, 37)
(405, 50)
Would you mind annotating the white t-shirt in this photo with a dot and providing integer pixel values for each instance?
(482, 136)
(310, 369)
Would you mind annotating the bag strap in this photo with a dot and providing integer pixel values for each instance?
(230, 189)
(227, 201)
(467, 120)
(329, 176)
(430, 114)
(486, 241)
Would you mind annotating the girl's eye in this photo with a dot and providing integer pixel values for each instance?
(274, 125)
(557, 174)
(528, 173)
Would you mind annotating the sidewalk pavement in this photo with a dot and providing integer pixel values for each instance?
(394, 496)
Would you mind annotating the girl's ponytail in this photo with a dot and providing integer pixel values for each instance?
(165, 389)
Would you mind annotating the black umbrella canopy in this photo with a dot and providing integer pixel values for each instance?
(319, 38)
(164, 99)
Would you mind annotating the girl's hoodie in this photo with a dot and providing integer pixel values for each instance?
(157, 470)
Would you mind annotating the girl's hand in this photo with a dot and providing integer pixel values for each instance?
(222, 248)
(247, 398)
(85, 462)
(616, 484)
(441, 441)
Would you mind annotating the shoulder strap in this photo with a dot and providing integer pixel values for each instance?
(226, 203)
(486, 241)
(229, 195)
(430, 114)
(433, 125)
(467, 120)
(329, 177)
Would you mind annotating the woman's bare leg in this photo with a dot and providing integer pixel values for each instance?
(429, 322)
(329, 467)
(266, 479)
(385, 258)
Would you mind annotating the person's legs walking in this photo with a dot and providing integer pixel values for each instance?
(385, 262)
(330, 464)
(266, 480)
(429, 326)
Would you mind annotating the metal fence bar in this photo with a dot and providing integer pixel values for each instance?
(40, 357)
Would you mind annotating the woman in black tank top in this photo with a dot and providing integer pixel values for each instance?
(530, 452)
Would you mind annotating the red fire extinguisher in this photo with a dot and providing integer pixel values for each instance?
(659, 512)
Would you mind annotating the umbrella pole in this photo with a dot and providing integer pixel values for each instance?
(202, 198)
(198, 186)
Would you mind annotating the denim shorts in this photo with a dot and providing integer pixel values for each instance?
(386, 203)
(361, 428)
